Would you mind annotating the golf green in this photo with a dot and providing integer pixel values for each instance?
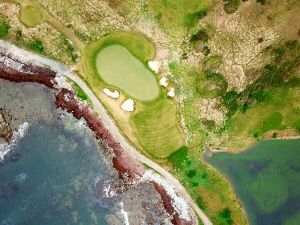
(118, 67)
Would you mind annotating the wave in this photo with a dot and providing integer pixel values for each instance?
(17, 136)
(179, 204)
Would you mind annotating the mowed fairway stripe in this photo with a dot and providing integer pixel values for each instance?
(158, 128)
(118, 67)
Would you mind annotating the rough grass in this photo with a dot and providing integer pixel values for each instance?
(179, 15)
(157, 128)
(30, 16)
(118, 67)
(279, 111)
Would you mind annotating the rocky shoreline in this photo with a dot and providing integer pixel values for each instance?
(129, 170)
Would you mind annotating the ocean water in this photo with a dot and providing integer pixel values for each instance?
(55, 172)
(266, 179)
(50, 179)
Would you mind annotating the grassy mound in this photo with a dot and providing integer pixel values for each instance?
(30, 16)
(157, 128)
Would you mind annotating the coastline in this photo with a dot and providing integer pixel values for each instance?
(128, 168)
(210, 150)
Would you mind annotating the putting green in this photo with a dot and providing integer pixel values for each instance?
(118, 67)
(31, 16)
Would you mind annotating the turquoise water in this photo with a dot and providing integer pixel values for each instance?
(266, 179)
(51, 179)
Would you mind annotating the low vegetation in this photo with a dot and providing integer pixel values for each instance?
(69, 47)
(179, 15)
(79, 92)
(4, 26)
(35, 45)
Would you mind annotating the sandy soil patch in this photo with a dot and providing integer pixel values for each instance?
(113, 94)
(128, 105)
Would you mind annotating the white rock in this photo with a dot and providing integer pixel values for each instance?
(113, 94)
(62, 82)
(179, 204)
(154, 65)
(171, 92)
(164, 82)
(128, 105)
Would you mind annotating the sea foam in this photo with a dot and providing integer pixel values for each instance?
(17, 136)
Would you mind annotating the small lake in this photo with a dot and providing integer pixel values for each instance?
(267, 180)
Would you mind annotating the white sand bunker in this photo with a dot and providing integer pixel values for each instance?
(128, 105)
(171, 92)
(154, 65)
(163, 82)
(113, 94)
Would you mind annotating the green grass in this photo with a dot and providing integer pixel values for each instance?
(35, 45)
(157, 128)
(118, 67)
(79, 92)
(4, 26)
(30, 16)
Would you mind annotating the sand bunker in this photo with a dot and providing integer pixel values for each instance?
(171, 92)
(163, 82)
(128, 105)
(154, 65)
(113, 94)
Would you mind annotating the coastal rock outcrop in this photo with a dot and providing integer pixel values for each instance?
(128, 168)
(6, 132)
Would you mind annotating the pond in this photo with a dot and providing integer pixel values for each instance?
(118, 67)
(266, 178)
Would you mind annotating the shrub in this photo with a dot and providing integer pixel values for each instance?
(200, 202)
(36, 45)
(201, 35)
(4, 26)
(224, 217)
(210, 84)
(191, 19)
(205, 50)
(231, 6)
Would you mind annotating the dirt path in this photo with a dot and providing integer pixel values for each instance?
(105, 118)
